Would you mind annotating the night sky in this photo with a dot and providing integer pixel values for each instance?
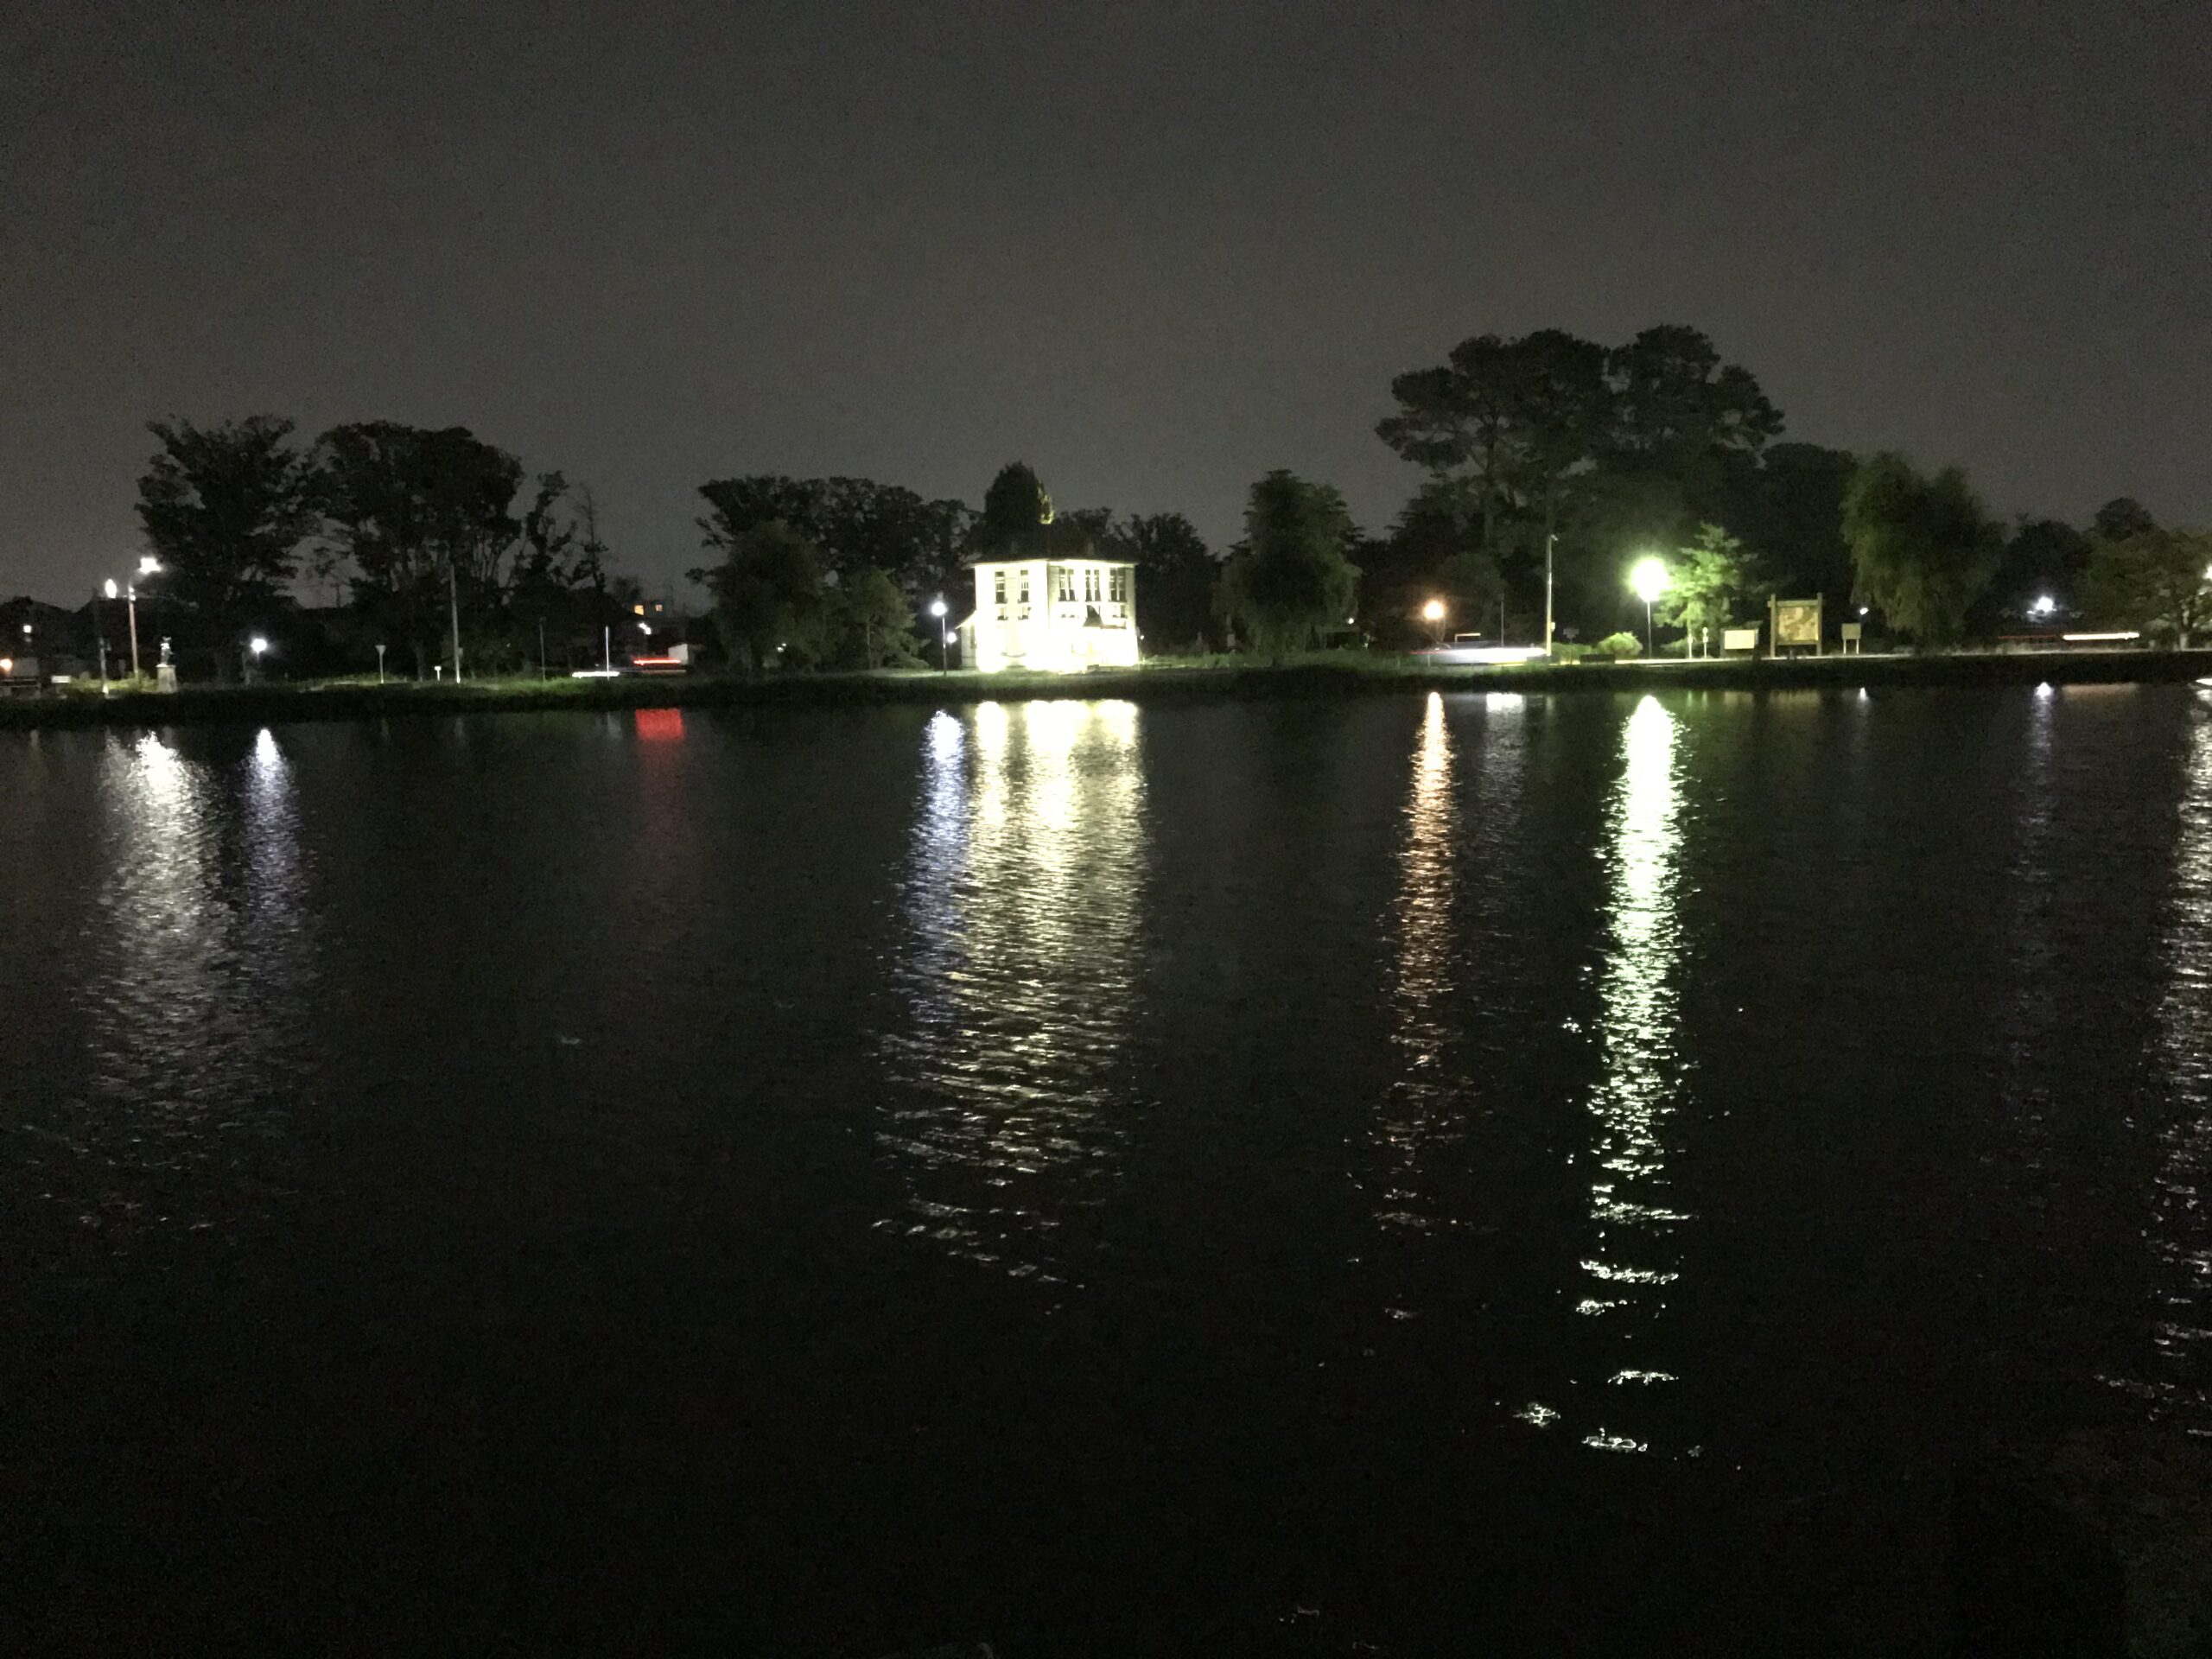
(1154, 249)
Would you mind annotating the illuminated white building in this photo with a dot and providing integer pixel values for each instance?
(1061, 614)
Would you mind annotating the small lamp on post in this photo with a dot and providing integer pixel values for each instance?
(1432, 614)
(944, 637)
(1648, 580)
(379, 662)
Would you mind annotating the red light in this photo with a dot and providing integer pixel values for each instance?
(659, 725)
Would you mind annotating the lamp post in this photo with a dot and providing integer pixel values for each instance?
(257, 648)
(379, 662)
(110, 590)
(1551, 541)
(1432, 614)
(1648, 580)
(147, 566)
(944, 637)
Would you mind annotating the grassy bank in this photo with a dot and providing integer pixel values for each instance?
(1330, 674)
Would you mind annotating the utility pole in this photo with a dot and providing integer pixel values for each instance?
(453, 593)
(541, 647)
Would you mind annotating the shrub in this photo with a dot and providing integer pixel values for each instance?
(1617, 645)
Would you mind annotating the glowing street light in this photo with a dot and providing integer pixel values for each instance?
(944, 637)
(1648, 580)
(147, 566)
(1432, 614)
(2044, 605)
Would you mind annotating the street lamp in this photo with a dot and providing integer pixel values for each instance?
(2044, 605)
(944, 637)
(1432, 614)
(147, 566)
(1648, 580)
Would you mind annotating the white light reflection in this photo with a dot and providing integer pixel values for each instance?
(1022, 900)
(202, 954)
(2180, 1229)
(1636, 1256)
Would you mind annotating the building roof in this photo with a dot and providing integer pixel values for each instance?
(1052, 558)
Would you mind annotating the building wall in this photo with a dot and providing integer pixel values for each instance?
(1039, 622)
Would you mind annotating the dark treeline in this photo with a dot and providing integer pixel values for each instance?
(1546, 465)
(416, 539)
(1659, 446)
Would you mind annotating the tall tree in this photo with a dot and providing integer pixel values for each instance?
(1791, 509)
(1291, 579)
(1175, 578)
(1680, 411)
(768, 599)
(1563, 411)
(1710, 580)
(2158, 580)
(856, 523)
(1922, 548)
(225, 509)
(1015, 508)
(2120, 518)
(870, 623)
(428, 519)
(1506, 421)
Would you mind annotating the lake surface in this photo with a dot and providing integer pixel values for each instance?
(1567, 1173)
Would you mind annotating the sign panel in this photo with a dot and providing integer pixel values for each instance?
(1796, 622)
(1739, 639)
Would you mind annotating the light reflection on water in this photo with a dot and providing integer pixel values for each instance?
(1462, 803)
(2180, 1229)
(1634, 1258)
(1022, 898)
(1425, 1101)
(202, 953)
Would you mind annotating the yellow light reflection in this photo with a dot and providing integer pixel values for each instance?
(1424, 1099)
(1022, 901)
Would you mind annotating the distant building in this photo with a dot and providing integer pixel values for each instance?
(1057, 612)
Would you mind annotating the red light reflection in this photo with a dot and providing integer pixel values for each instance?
(660, 725)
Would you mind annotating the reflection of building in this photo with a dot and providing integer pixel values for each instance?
(1059, 613)
(1023, 899)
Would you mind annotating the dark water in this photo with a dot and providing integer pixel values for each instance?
(1562, 1175)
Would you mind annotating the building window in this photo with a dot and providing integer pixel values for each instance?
(1025, 584)
(1090, 584)
(1117, 587)
(1067, 584)
(998, 587)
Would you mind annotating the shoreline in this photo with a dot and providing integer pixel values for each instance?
(352, 700)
